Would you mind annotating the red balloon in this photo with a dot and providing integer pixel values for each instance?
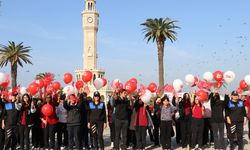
(87, 76)
(239, 90)
(104, 81)
(218, 85)
(168, 88)
(56, 86)
(40, 83)
(152, 87)
(46, 81)
(202, 96)
(130, 86)
(199, 84)
(218, 76)
(47, 110)
(196, 81)
(67, 78)
(120, 85)
(207, 85)
(33, 88)
(134, 80)
(243, 85)
(204, 85)
(5, 84)
(79, 84)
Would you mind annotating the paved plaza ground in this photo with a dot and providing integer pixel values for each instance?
(174, 145)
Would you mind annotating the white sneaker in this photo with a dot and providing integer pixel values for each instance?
(112, 144)
(62, 148)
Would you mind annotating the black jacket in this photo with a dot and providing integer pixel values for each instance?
(96, 112)
(1, 111)
(10, 115)
(218, 107)
(236, 111)
(74, 116)
(29, 116)
(122, 109)
(84, 111)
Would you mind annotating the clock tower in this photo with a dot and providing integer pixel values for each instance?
(90, 27)
(90, 22)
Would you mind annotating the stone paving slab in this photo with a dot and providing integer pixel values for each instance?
(174, 145)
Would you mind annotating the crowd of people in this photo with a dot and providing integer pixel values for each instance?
(78, 121)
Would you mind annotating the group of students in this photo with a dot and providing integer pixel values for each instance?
(79, 121)
(73, 119)
(197, 123)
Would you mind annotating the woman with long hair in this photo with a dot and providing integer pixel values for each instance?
(197, 124)
(26, 120)
(185, 120)
(49, 123)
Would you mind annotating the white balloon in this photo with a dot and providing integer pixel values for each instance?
(68, 90)
(189, 78)
(98, 83)
(247, 79)
(178, 85)
(208, 76)
(146, 97)
(229, 76)
(2, 77)
(114, 84)
(23, 90)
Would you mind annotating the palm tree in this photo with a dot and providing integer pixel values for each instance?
(15, 54)
(160, 30)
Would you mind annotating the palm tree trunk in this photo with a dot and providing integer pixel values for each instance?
(13, 75)
(160, 46)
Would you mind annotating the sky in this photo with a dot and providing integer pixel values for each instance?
(214, 35)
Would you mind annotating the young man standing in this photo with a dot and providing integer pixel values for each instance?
(236, 116)
(122, 106)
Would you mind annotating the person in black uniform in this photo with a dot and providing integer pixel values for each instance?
(1, 118)
(97, 120)
(235, 116)
(10, 121)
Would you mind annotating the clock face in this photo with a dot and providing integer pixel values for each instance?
(90, 19)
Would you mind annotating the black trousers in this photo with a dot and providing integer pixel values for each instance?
(178, 131)
(185, 125)
(197, 132)
(131, 138)
(74, 136)
(85, 135)
(1, 139)
(11, 138)
(166, 130)
(24, 132)
(49, 136)
(62, 132)
(97, 134)
(235, 130)
(249, 128)
(140, 133)
(37, 136)
(218, 132)
(121, 128)
(112, 131)
(207, 130)
(156, 133)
